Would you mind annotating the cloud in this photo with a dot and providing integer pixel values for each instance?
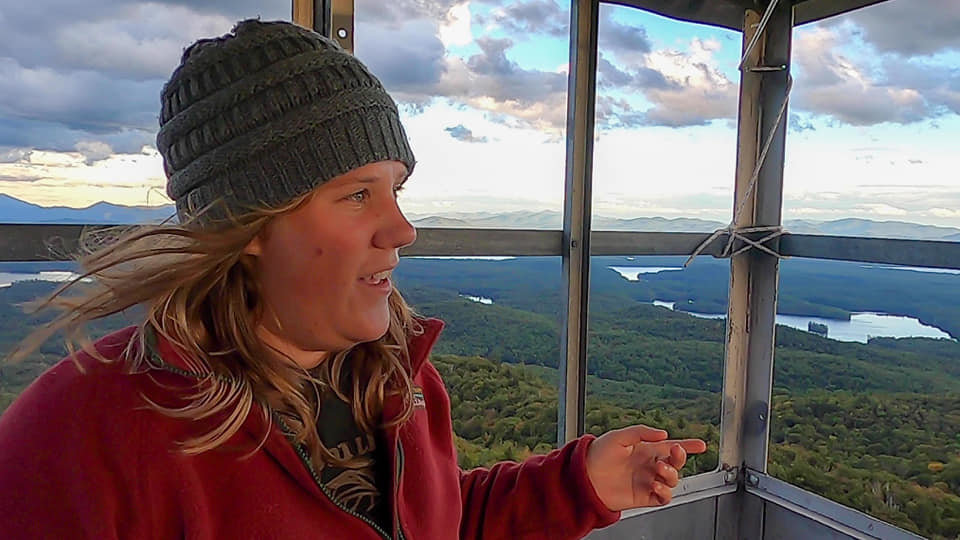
(908, 29)
(627, 42)
(94, 151)
(408, 59)
(13, 155)
(864, 93)
(413, 64)
(879, 209)
(635, 78)
(142, 43)
(513, 95)
(52, 110)
(532, 17)
(907, 202)
(462, 133)
(455, 28)
(22, 179)
(683, 88)
(799, 125)
(945, 212)
(124, 38)
(697, 93)
(398, 12)
(92, 74)
(938, 84)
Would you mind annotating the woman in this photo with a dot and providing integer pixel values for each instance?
(278, 386)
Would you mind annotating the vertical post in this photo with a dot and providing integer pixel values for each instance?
(303, 13)
(341, 23)
(767, 212)
(751, 317)
(581, 100)
(332, 18)
(737, 334)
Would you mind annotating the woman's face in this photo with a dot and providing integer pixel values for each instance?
(324, 269)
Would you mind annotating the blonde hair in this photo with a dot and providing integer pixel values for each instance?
(200, 292)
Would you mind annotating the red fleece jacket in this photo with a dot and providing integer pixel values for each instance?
(82, 457)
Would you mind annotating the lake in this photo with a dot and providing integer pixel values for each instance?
(8, 278)
(914, 269)
(860, 327)
(633, 273)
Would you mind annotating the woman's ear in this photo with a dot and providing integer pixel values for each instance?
(254, 247)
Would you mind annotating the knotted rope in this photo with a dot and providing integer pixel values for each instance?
(733, 232)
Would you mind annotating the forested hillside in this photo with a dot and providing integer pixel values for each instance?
(894, 455)
(875, 426)
(807, 287)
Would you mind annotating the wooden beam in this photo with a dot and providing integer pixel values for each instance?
(303, 13)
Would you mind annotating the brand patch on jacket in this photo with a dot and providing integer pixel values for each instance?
(418, 400)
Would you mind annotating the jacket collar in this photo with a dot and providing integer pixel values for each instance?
(420, 346)
(275, 444)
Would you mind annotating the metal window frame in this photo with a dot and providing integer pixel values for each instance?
(54, 242)
(822, 510)
(328, 17)
(754, 275)
(577, 209)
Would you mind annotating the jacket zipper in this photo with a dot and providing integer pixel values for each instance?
(316, 478)
(396, 490)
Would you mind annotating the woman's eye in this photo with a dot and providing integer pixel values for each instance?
(359, 196)
(398, 188)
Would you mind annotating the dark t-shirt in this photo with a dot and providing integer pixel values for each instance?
(361, 489)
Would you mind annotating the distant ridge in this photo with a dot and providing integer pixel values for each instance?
(878, 229)
(13, 210)
(554, 220)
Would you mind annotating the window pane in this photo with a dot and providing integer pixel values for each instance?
(867, 390)
(656, 348)
(873, 123)
(667, 91)
(482, 88)
(499, 350)
(80, 98)
(79, 101)
(666, 123)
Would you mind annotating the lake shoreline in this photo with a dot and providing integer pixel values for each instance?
(845, 334)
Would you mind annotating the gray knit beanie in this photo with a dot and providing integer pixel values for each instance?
(260, 116)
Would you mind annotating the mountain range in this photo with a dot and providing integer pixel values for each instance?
(13, 210)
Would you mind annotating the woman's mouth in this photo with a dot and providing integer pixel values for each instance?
(380, 280)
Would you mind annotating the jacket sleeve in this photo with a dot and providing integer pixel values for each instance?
(547, 496)
(64, 470)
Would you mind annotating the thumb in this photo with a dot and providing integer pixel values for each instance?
(632, 435)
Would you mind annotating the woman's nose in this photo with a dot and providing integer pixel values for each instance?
(396, 231)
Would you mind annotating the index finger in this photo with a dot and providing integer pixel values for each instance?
(690, 446)
(637, 434)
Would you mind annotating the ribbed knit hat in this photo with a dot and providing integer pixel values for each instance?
(266, 113)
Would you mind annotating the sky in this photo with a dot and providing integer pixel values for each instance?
(874, 118)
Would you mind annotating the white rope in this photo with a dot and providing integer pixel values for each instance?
(734, 233)
(763, 152)
(756, 36)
